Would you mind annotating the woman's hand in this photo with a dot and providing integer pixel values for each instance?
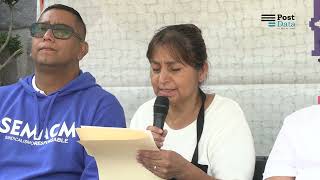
(163, 163)
(158, 135)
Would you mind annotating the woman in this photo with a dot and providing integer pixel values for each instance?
(178, 59)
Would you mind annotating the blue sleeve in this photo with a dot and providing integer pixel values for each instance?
(91, 170)
(109, 114)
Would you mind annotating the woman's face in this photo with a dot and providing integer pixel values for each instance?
(169, 77)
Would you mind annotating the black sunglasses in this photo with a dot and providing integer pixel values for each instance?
(59, 31)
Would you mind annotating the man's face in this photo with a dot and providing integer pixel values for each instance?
(51, 51)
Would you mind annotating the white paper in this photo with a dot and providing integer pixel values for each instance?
(115, 151)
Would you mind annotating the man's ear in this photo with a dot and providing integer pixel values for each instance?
(84, 48)
(203, 72)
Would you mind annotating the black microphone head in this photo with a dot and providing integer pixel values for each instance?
(161, 105)
(160, 111)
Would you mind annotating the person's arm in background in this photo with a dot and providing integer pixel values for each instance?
(281, 161)
(109, 114)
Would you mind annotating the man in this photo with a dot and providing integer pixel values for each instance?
(295, 154)
(39, 114)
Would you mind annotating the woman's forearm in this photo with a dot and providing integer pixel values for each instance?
(192, 172)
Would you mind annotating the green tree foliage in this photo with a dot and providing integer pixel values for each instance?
(14, 43)
(9, 46)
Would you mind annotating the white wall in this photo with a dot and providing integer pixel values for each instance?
(269, 71)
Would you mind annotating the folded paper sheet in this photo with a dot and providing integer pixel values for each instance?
(115, 151)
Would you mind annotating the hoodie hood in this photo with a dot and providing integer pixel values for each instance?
(82, 82)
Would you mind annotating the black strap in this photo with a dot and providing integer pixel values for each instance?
(200, 122)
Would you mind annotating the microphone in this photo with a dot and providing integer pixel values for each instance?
(160, 111)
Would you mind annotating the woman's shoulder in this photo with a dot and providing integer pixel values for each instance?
(221, 103)
(306, 111)
(143, 114)
(304, 117)
(224, 112)
(147, 105)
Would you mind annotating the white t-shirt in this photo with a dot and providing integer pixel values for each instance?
(226, 144)
(35, 86)
(296, 151)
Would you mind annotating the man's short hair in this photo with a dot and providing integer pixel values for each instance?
(72, 11)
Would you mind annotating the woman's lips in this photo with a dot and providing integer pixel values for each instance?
(166, 92)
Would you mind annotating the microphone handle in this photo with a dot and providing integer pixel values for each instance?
(159, 119)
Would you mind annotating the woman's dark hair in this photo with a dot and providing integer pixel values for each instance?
(184, 43)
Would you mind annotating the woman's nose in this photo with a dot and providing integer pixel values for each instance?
(163, 76)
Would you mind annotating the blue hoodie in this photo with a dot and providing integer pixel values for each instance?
(37, 132)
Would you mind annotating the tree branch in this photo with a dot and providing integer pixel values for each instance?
(10, 30)
(10, 59)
